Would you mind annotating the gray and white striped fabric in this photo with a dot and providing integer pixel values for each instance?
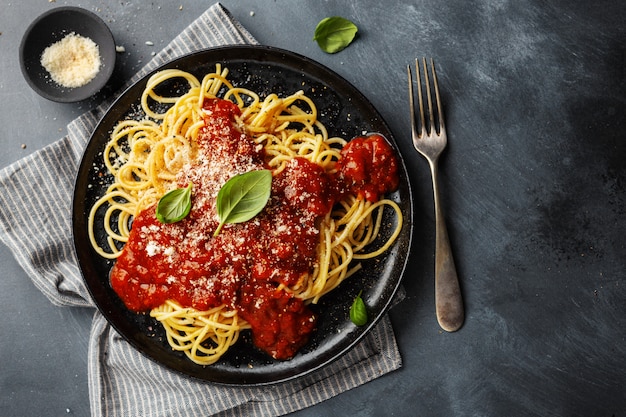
(35, 223)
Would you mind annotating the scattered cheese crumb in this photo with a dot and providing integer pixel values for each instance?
(120, 48)
(152, 248)
(149, 43)
(73, 61)
(252, 13)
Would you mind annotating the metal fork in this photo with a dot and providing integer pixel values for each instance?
(430, 142)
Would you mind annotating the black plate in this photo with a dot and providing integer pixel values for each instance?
(345, 112)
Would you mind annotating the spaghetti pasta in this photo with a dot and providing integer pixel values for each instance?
(148, 157)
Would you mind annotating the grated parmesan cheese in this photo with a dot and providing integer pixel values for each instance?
(73, 61)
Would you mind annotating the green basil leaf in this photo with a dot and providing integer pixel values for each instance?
(358, 311)
(175, 205)
(243, 197)
(334, 33)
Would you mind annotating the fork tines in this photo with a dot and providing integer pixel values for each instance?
(435, 117)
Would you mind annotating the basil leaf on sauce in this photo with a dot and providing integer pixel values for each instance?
(175, 205)
(333, 34)
(243, 197)
(358, 312)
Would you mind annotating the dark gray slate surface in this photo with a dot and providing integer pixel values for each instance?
(533, 183)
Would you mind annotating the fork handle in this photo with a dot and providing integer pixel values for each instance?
(448, 298)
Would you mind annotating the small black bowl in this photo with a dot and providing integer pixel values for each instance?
(53, 26)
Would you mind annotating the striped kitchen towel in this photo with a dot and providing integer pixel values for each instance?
(35, 223)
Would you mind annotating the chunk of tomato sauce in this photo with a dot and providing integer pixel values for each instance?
(368, 168)
(244, 265)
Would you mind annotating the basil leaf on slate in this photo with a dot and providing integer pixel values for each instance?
(358, 312)
(175, 205)
(243, 197)
(334, 33)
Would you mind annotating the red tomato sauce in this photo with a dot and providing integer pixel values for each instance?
(368, 168)
(243, 266)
